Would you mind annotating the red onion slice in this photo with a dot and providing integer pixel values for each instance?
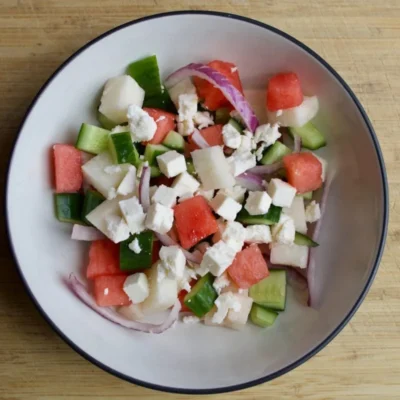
(86, 233)
(144, 188)
(199, 140)
(265, 169)
(297, 144)
(250, 181)
(82, 293)
(222, 83)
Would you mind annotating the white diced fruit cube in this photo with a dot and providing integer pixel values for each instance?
(218, 258)
(225, 302)
(238, 319)
(159, 218)
(185, 183)
(133, 312)
(313, 212)
(289, 254)
(282, 194)
(128, 184)
(152, 190)
(258, 203)
(185, 86)
(136, 287)
(165, 196)
(231, 136)
(258, 234)
(173, 260)
(234, 235)
(207, 194)
(117, 229)
(241, 161)
(225, 206)
(120, 92)
(236, 192)
(171, 163)
(133, 213)
(284, 231)
(297, 212)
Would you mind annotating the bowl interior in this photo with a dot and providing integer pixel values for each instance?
(197, 357)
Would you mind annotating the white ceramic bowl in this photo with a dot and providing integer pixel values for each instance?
(199, 359)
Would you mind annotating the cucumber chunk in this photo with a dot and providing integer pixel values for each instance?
(306, 195)
(304, 240)
(275, 153)
(91, 201)
(123, 151)
(105, 122)
(68, 207)
(161, 101)
(222, 116)
(92, 139)
(271, 291)
(235, 124)
(202, 296)
(270, 218)
(190, 167)
(153, 151)
(174, 141)
(311, 137)
(261, 316)
(129, 260)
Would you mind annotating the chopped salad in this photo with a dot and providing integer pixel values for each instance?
(190, 204)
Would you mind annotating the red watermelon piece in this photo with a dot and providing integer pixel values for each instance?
(67, 168)
(284, 91)
(165, 123)
(103, 259)
(212, 135)
(108, 291)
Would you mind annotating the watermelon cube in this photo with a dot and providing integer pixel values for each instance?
(212, 135)
(165, 123)
(67, 168)
(284, 91)
(109, 291)
(103, 259)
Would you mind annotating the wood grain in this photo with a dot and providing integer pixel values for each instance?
(361, 39)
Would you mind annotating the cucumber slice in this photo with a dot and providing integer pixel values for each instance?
(202, 296)
(123, 151)
(311, 137)
(235, 124)
(68, 207)
(271, 291)
(174, 141)
(275, 153)
(306, 196)
(161, 101)
(129, 260)
(303, 240)
(270, 218)
(261, 316)
(91, 201)
(153, 151)
(105, 122)
(92, 139)
(147, 74)
(190, 167)
(222, 116)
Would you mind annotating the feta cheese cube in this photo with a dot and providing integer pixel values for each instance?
(313, 212)
(224, 303)
(231, 136)
(184, 282)
(284, 231)
(171, 163)
(221, 282)
(203, 119)
(173, 260)
(218, 258)
(282, 194)
(135, 246)
(234, 235)
(260, 151)
(279, 113)
(133, 214)
(238, 319)
(185, 128)
(142, 126)
(246, 143)
(268, 134)
(136, 287)
(241, 161)
(128, 184)
(185, 183)
(191, 319)
(159, 218)
(117, 228)
(236, 192)
(258, 234)
(207, 194)
(258, 203)
(225, 206)
(165, 196)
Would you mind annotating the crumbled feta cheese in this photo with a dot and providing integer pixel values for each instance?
(142, 126)
(171, 163)
(190, 319)
(182, 87)
(279, 113)
(120, 129)
(234, 235)
(236, 192)
(112, 169)
(258, 234)
(133, 214)
(218, 258)
(117, 228)
(203, 119)
(173, 260)
(165, 196)
(225, 206)
(106, 292)
(159, 218)
(128, 184)
(184, 282)
(258, 203)
(161, 272)
(313, 212)
(224, 303)
(221, 282)
(233, 69)
(282, 194)
(267, 134)
(112, 194)
(245, 143)
(185, 128)
(231, 136)
(207, 194)
(241, 161)
(187, 106)
(185, 183)
(201, 269)
(238, 319)
(135, 246)
(324, 165)
(136, 287)
(284, 231)
(260, 151)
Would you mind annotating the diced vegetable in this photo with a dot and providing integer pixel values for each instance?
(105, 122)
(190, 167)
(153, 151)
(311, 137)
(201, 298)
(174, 141)
(284, 91)
(297, 212)
(194, 221)
(270, 218)
(248, 267)
(108, 291)
(165, 123)
(304, 171)
(222, 115)
(212, 135)
(237, 319)
(91, 201)
(306, 195)
(261, 316)
(235, 124)
(122, 149)
(271, 291)
(303, 240)
(67, 168)
(85, 233)
(289, 254)
(182, 86)
(68, 207)
(275, 153)
(132, 262)
(161, 102)
(103, 259)
(92, 139)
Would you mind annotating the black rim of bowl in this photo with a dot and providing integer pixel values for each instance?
(317, 348)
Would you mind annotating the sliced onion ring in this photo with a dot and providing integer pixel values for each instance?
(297, 144)
(250, 181)
(82, 293)
(86, 233)
(199, 140)
(144, 188)
(266, 169)
(221, 82)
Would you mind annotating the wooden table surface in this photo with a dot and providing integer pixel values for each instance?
(361, 39)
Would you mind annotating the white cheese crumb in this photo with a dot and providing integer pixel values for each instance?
(135, 246)
(225, 302)
(313, 212)
(191, 319)
(112, 194)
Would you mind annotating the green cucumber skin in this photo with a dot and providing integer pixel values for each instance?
(222, 116)
(153, 151)
(235, 124)
(92, 139)
(303, 240)
(271, 217)
(201, 298)
(262, 317)
(174, 141)
(161, 101)
(190, 167)
(105, 122)
(311, 137)
(68, 207)
(275, 153)
(92, 200)
(132, 262)
(122, 148)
